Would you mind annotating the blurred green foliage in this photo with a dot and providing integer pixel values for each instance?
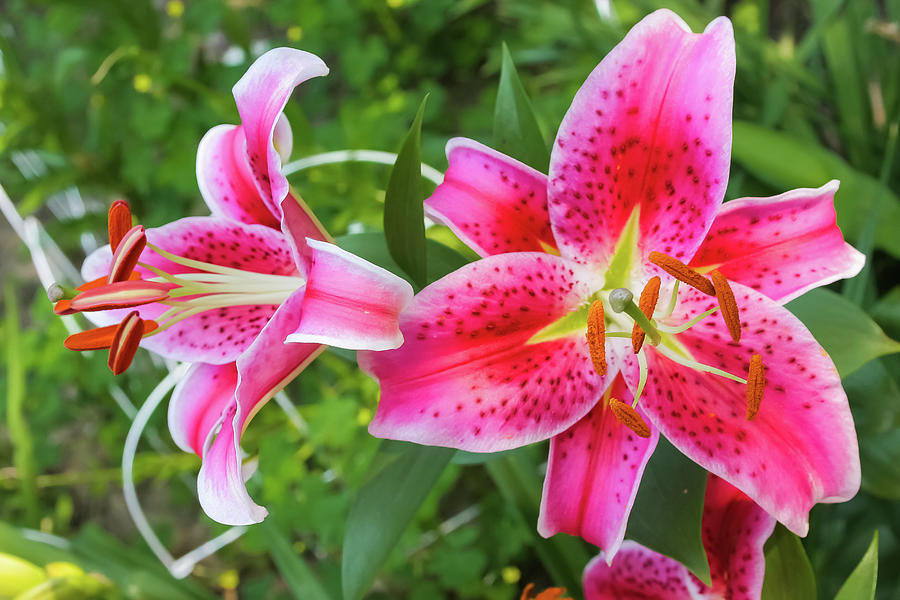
(111, 98)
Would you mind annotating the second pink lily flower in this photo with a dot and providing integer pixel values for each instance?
(256, 290)
(496, 355)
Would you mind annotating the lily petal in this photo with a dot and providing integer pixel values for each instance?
(261, 94)
(649, 129)
(493, 203)
(781, 246)
(350, 303)
(297, 224)
(226, 182)
(801, 447)
(197, 404)
(266, 367)
(216, 336)
(638, 572)
(734, 532)
(593, 474)
(466, 376)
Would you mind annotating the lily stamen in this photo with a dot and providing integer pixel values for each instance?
(126, 254)
(122, 294)
(100, 338)
(125, 343)
(621, 300)
(729, 307)
(629, 417)
(118, 222)
(647, 304)
(596, 336)
(682, 272)
(756, 385)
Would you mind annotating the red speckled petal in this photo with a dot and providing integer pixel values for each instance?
(638, 573)
(350, 303)
(225, 180)
(261, 94)
(465, 377)
(649, 129)
(266, 367)
(197, 403)
(734, 532)
(593, 474)
(492, 202)
(799, 450)
(219, 335)
(781, 246)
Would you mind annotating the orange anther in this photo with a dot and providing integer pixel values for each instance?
(119, 222)
(125, 343)
(629, 417)
(682, 272)
(555, 593)
(756, 385)
(647, 304)
(596, 336)
(122, 294)
(727, 306)
(99, 338)
(126, 255)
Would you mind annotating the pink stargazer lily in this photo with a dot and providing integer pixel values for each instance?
(496, 354)
(734, 531)
(250, 295)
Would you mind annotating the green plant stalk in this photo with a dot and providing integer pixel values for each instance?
(23, 449)
(563, 556)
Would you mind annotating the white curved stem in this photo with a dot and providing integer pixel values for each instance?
(342, 156)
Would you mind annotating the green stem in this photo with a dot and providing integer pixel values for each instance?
(632, 310)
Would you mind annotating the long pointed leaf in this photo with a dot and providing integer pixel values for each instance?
(383, 508)
(861, 583)
(404, 212)
(516, 130)
(789, 576)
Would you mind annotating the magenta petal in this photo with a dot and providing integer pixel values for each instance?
(266, 367)
(225, 180)
(216, 336)
(799, 450)
(734, 532)
(350, 303)
(649, 129)
(638, 573)
(492, 202)
(781, 246)
(465, 376)
(593, 474)
(261, 94)
(220, 483)
(298, 223)
(197, 404)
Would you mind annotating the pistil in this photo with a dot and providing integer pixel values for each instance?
(621, 300)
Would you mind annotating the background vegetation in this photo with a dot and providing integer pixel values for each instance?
(105, 99)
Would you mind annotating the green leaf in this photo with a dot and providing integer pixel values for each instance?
(844, 330)
(516, 130)
(861, 583)
(786, 162)
(669, 507)
(404, 211)
(384, 506)
(789, 576)
(373, 247)
(880, 458)
(299, 577)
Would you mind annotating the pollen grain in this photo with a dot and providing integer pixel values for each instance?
(682, 272)
(647, 304)
(629, 417)
(756, 385)
(596, 336)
